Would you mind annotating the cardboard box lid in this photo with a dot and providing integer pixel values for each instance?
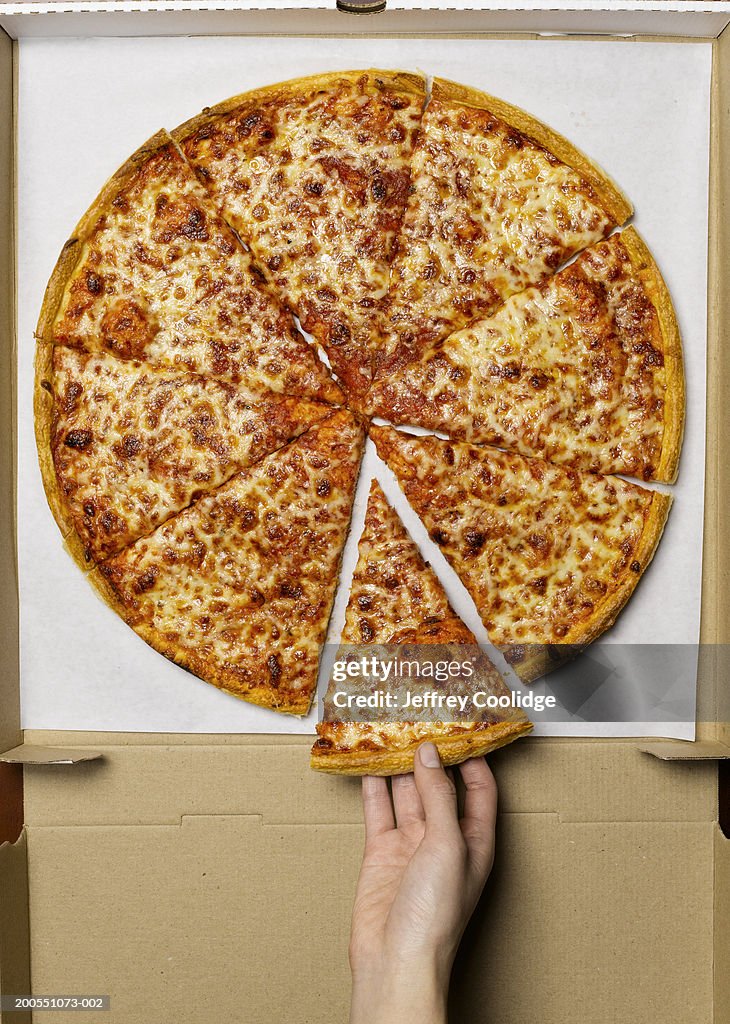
(689, 18)
(185, 867)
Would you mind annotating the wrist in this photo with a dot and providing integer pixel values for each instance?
(392, 990)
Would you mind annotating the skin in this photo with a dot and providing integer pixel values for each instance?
(422, 873)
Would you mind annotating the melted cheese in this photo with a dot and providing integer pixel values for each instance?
(490, 213)
(537, 547)
(161, 277)
(133, 444)
(393, 589)
(572, 371)
(240, 586)
(316, 183)
(396, 599)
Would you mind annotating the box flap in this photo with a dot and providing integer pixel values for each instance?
(27, 753)
(701, 19)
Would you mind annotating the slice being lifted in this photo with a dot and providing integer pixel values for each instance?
(498, 202)
(239, 587)
(126, 445)
(396, 598)
(549, 555)
(585, 370)
(313, 174)
(154, 273)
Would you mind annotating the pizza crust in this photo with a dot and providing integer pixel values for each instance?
(614, 201)
(44, 419)
(402, 81)
(674, 400)
(543, 658)
(453, 750)
(291, 703)
(72, 251)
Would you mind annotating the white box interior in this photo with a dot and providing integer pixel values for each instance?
(640, 109)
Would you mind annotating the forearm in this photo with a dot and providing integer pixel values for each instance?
(399, 992)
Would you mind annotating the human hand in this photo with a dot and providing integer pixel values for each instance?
(422, 873)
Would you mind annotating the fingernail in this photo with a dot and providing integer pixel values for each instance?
(429, 755)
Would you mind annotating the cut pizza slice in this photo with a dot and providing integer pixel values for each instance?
(585, 370)
(397, 599)
(549, 555)
(126, 445)
(498, 201)
(239, 587)
(313, 174)
(154, 273)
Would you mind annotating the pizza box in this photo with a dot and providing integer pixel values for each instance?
(194, 877)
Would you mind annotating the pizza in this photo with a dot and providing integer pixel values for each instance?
(132, 444)
(249, 290)
(153, 272)
(584, 370)
(498, 202)
(314, 176)
(238, 588)
(549, 555)
(397, 601)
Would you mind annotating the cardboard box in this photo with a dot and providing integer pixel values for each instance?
(211, 877)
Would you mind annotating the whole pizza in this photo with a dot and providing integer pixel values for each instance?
(251, 290)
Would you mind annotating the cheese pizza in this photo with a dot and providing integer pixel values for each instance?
(397, 600)
(131, 444)
(153, 272)
(585, 370)
(549, 555)
(239, 587)
(498, 202)
(251, 285)
(314, 174)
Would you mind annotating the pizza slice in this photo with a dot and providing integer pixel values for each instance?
(313, 174)
(498, 202)
(397, 599)
(549, 555)
(239, 587)
(585, 370)
(154, 273)
(127, 444)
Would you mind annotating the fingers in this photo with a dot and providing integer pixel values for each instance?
(435, 789)
(377, 807)
(407, 802)
(480, 810)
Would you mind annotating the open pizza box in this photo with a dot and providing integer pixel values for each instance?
(209, 877)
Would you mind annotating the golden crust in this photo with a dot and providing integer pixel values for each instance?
(614, 201)
(402, 81)
(453, 750)
(72, 251)
(44, 417)
(290, 702)
(674, 400)
(542, 659)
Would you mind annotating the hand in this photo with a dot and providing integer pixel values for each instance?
(422, 873)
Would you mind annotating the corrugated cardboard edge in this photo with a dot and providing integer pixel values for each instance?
(14, 928)
(718, 412)
(9, 667)
(721, 936)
